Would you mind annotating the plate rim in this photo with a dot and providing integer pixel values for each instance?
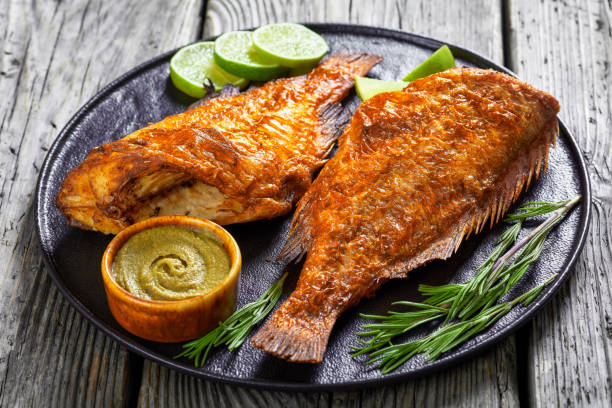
(389, 379)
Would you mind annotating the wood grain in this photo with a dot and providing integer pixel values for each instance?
(566, 48)
(475, 25)
(55, 56)
(487, 380)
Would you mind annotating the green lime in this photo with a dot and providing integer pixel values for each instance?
(235, 53)
(368, 87)
(439, 61)
(290, 45)
(191, 65)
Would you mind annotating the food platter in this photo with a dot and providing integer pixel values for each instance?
(146, 95)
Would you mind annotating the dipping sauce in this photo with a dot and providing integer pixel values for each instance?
(171, 263)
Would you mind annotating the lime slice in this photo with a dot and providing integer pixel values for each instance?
(234, 52)
(368, 87)
(290, 45)
(439, 61)
(191, 65)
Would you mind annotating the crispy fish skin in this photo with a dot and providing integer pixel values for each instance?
(231, 159)
(416, 172)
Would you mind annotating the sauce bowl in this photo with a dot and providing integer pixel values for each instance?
(170, 321)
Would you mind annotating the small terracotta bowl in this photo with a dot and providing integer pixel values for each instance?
(174, 320)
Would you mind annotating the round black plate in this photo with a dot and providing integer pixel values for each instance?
(145, 95)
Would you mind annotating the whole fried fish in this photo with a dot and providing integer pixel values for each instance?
(416, 172)
(231, 159)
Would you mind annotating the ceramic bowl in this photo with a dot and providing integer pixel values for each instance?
(174, 320)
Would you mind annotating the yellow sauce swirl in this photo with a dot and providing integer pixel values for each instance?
(171, 263)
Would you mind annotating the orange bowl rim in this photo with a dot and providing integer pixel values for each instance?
(120, 239)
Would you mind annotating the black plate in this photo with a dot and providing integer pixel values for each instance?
(145, 95)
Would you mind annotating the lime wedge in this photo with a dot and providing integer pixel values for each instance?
(368, 87)
(234, 52)
(290, 45)
(439, 61)
(191, 65)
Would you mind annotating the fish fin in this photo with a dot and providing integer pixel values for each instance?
(292, 339)
(333, 117)
(300, 235)
(517, 179)
(493, 207)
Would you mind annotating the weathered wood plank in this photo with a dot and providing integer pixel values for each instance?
(54, 56)
(487, 380)
(475, 24)
(566, 48)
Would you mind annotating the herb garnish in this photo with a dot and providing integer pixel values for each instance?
(234, 330)
(467, 308)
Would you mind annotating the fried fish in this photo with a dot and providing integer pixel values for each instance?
(231, 159)
(416, 172)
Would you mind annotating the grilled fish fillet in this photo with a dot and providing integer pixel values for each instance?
(232, 159)
(416, 172)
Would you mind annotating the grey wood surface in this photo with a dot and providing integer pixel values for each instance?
(55, 55)
(566, 48)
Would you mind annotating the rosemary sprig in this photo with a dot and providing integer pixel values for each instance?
(473, 301)
(234, 330)
(441, 302)
(449, 336)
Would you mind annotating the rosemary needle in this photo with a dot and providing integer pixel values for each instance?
(467, 308)
(234, 330)
(449, 336)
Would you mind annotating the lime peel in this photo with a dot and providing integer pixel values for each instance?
(193, 64)
(439, 61)
(368, 87)
(290, 45)
(235, 53)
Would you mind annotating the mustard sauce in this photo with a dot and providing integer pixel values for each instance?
(171, 263)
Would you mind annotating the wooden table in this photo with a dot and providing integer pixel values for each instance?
(56, 55)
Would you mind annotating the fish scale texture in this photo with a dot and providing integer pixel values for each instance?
(416, 172)
(230, 159)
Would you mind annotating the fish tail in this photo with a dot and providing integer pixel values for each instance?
(353, 62)
(294, 339)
